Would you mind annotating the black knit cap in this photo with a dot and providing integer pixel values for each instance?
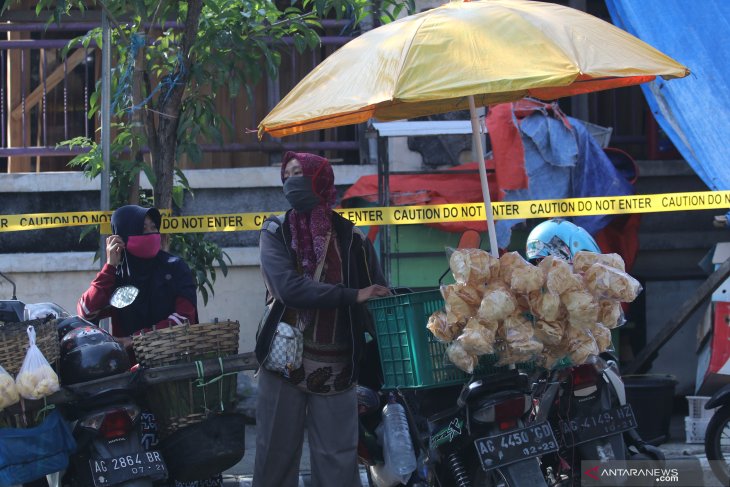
(129, 220)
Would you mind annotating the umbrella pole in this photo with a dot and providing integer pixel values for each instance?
(477, 141)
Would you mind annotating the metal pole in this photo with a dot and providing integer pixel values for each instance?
(483, 177)
(106, 104)
(384, 200)
(579, 103)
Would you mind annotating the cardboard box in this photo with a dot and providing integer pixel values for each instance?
(713, 364)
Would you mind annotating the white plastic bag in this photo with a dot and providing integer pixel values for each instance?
(8, 391)
(36, 378)
(383, 477)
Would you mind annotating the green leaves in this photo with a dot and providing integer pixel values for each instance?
(202, 256)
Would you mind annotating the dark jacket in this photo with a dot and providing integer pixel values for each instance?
(169, 294)
(287, 287)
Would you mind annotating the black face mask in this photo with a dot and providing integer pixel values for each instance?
(298, 192)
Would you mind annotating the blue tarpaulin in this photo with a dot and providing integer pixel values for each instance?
(693, 111)
(563, 162)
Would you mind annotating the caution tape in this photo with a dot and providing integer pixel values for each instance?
(400, 215)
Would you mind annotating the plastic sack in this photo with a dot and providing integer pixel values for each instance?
(461, 358)
(609, 283)
(580, 344)
(461, 302)
(584, 259)
(518, 341)
(478, 337)
(582, 308)
(610, 314)
(36, 378)
(473, 267)
(439, 325)
(602, 335)
(559, 277)
(8, 391)
(550, 333)
(507, 265)
(30, 453)
(546, 306)
(516, 329)
(520, 352)
(497, 304)
(527, 279)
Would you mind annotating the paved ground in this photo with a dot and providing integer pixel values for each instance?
(675, 447)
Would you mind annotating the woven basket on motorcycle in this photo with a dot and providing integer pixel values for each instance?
(181, 403)
(14, 343)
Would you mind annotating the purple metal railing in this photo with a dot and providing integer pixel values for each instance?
(3, 104)
(37, 118)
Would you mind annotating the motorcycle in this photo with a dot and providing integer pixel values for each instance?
(114, 437)
(586, 406)
(481, 433)
(108, 423)
(717, 446)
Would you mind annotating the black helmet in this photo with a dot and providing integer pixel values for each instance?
(89, 353)
(72, 322)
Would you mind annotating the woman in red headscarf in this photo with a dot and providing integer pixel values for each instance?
(320, 270)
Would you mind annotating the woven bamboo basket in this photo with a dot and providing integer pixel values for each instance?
(181, 403)
(14, 343)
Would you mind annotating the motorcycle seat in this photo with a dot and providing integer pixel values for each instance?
(511, 380)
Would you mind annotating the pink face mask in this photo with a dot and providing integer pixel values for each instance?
(144, 246)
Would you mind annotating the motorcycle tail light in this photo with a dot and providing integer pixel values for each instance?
(93, 422)
(584, 376)
(511, 409)
(508, 409)
(506, 425)
(116, 423)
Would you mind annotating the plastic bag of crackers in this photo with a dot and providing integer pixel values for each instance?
(554, 313)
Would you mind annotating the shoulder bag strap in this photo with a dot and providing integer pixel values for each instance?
(318, 272)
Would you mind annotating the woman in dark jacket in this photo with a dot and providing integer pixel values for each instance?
(320, 270)
(167, 293)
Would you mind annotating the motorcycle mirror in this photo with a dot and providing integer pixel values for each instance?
(124, 296)
(35, 311)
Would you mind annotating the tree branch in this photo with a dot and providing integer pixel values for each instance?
(150, 125)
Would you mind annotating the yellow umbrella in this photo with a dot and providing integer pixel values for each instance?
(467, 54)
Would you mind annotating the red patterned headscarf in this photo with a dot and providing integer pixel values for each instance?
(309, 230)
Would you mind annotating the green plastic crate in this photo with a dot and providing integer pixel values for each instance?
(411, 357)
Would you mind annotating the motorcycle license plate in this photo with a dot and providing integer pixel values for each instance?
(112, 471)
(582, 429)
(514, 446)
